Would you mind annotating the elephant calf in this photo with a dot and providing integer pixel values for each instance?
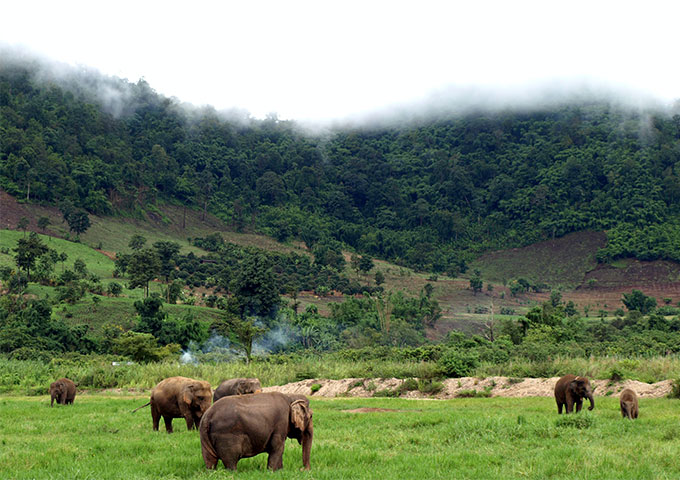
(237, 386)
(570, 390)
(246, 425)
(63, 390)
(629, 404)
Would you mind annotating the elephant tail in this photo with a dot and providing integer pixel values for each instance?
(145, 405)
(210, 456)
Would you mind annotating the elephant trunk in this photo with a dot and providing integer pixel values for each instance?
(592, 401)
(307, 448)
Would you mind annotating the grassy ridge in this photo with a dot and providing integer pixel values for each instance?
(97, 437)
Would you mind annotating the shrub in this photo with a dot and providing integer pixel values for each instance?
(475, 393)
(675, 389)
(114, 289)
(315, 388)
(575, 421)
(457, 363)
(409, 385)
(386, 393)
(430, 387)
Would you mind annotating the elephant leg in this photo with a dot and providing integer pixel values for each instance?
(579, 404)
(275, 450)
(229, 448)
(156, 417)
(569, 407)
(559, 408)
(168, 424)
(190, 422)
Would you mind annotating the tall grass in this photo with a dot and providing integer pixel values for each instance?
(643, 369)
(98, 372)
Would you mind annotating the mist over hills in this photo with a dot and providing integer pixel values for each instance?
(429, 185)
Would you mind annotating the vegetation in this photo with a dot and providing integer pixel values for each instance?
(523, 438)
(428, 195)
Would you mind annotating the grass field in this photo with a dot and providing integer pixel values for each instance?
(98, 438)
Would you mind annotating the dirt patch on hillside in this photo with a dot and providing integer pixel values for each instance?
(452, 387)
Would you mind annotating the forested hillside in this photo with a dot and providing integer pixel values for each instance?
(428, 195)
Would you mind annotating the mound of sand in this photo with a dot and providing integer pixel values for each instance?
(496, 386)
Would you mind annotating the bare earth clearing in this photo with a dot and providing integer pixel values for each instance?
(497, 386)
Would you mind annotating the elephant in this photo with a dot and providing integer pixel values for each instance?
(179, 397)
(63, 390)
(570, 390)
(629, 404)
(237, 386)
(243, 426)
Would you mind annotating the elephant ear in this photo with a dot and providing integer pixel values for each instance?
(299, 414)
(188, 394)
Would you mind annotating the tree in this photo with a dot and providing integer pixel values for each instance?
(636, 300)
(476, 283)
(78, 221)
(143, 266)
(379, 277)
(255, 288)
(43, 223)
(366, 264)
(141, 347)
(244, 331)
(28, 250)
(137, 242)
(22, 224)
(167, 254)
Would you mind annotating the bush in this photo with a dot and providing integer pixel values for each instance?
(486, 393)
(580, 422)
(114, 289)
(28, 353)
(429, 386)
(675, 389)
(315, 388)
(458, 363)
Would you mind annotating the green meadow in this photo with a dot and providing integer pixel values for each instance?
(99, 438)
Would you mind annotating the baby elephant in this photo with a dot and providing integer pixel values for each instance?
(237, 386)
(246, 425)
(63, 390)
(629, 404)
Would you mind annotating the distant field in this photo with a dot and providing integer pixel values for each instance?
(98, 438)
(97, 263)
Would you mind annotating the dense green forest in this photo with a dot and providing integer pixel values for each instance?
(428, 195)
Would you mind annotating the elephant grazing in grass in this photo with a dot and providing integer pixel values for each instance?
(237, 386)
(629, 404)
(570, 390)
(179, 397)
(63, 390)
(243, 426)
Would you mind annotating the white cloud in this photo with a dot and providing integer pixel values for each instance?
(318, 59)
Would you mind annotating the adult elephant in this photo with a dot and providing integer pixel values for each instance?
(63, 391)
(237, 386)
(570, 390)
(179, 397)
(246, 425)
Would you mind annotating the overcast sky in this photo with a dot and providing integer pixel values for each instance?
(323, 59)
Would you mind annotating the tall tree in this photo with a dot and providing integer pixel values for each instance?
(167, 254)
(28, 250)
(143, 266)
